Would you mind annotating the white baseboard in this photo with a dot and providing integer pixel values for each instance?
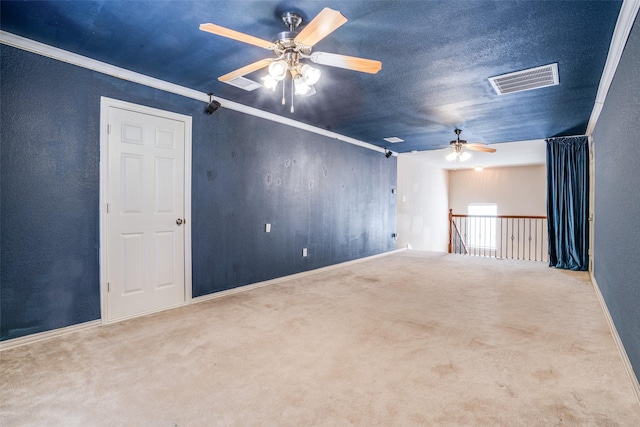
(41, 336)
(256, 285)
(623, 353)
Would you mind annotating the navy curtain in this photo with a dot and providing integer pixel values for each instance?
(568, 202)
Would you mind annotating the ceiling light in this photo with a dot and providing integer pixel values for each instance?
(269, 82)
(478, 168)
(311, 75)
(301, 87)
(451, 156)
(464, 156)
(278, 70)
(312, 91)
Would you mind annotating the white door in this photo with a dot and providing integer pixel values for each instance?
(145, 231)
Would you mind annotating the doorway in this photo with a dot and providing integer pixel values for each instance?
(145, 193)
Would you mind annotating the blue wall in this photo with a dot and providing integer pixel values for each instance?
(617, 199)
(317, 192)
(330, 197)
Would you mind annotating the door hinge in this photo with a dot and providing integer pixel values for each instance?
(108, 207)
(108, 287)
(108, 129)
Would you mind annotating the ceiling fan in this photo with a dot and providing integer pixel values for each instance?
(292, 46)
(459, 146)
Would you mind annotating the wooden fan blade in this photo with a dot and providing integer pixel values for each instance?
(245, 70)
(480, 147)
(325, 23)
(347, 62)
(236, 35)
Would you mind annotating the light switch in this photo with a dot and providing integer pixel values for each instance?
(304, 252)
(267, 228)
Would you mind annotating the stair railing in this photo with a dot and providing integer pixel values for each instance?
(500, 236)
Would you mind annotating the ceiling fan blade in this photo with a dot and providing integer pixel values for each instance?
(348, 62)
(480, 147)
(245, 70)
(325, 23)
(236, 35)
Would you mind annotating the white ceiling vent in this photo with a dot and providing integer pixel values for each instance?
(393, 139)
(532, 78)
(243, 83)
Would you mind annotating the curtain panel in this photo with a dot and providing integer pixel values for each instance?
(568, 202)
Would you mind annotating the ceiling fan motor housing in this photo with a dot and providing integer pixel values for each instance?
(457, 143)
(285, 39)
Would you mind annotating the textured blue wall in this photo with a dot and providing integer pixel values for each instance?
(330, 197)
(317, 192)
(617, 199)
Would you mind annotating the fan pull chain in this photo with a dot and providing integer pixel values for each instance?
(283, 101)
(292, 90)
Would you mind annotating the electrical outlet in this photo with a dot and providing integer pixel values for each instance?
(267, 228)
(304, 252)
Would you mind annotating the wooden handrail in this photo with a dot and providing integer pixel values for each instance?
(452, 215)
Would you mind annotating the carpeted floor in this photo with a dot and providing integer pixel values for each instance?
(412, 338)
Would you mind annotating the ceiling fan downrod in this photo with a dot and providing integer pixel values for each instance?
(291, 20)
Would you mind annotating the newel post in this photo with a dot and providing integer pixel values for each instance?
(450, 234)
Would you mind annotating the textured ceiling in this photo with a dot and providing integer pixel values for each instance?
(436, 58)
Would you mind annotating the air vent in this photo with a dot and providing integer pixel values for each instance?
(245, 84)
(533, 78)
(393, 139)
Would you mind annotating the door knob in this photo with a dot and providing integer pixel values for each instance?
(179, 221)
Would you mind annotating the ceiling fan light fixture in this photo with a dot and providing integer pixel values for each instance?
(312, 91)
(301, 87)
(464, 156)
(269, 82)
(451, 156)
(311, 75)
(278, 70)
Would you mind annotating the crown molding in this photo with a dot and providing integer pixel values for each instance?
(626, 18)
(33, 46)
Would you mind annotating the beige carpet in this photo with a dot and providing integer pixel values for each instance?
(408, 339)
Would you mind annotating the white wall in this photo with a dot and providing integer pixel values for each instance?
(423, 205)
(520, 190)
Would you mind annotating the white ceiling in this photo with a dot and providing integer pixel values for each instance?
(507, 154)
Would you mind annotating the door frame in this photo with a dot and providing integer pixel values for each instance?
(592, 201)
(105, 104)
